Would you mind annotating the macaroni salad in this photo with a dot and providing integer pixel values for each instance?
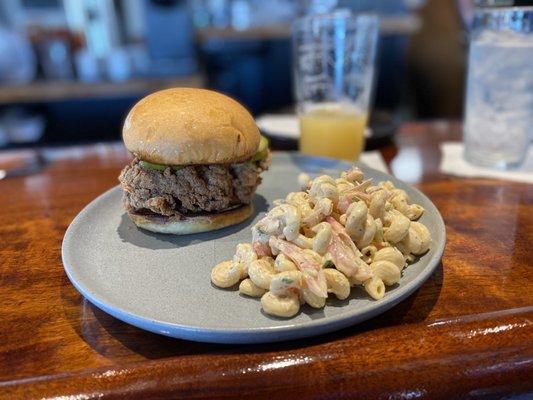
(331, 236)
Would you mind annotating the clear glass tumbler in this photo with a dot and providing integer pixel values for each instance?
(333, 73)
(499, 97)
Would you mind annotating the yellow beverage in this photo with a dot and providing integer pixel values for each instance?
(333, 131)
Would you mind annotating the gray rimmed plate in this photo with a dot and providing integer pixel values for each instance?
(162, 283)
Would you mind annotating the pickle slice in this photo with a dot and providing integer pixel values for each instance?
(261, 153)
(158, 167)
(262, 149)
(152, 166)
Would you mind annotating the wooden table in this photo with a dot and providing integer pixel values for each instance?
(468, 331)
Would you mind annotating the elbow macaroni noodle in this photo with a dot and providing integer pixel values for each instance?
(327, 238)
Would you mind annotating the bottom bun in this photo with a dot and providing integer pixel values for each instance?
(191, 224)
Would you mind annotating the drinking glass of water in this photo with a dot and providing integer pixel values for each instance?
(333, 71)
(499, 98)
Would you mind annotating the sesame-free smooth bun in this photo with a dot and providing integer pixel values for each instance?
(192, 224)
(184, 126)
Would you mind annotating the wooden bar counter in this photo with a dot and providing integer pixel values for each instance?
(466, 333)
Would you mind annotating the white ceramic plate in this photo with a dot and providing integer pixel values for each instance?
(162, 283)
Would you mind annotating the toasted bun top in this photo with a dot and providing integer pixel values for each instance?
(190, 126)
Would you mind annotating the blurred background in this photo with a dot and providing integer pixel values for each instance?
(71, 69)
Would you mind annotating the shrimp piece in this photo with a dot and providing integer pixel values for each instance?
(357, 193)
(261, 249)
(307, 261)
(345, 256)
(260, 242)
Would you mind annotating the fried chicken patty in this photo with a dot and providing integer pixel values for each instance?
(190, 189)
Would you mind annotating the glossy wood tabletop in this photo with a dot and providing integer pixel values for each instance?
(467, 332)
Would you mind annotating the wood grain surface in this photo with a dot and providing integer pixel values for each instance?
(467, 332)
